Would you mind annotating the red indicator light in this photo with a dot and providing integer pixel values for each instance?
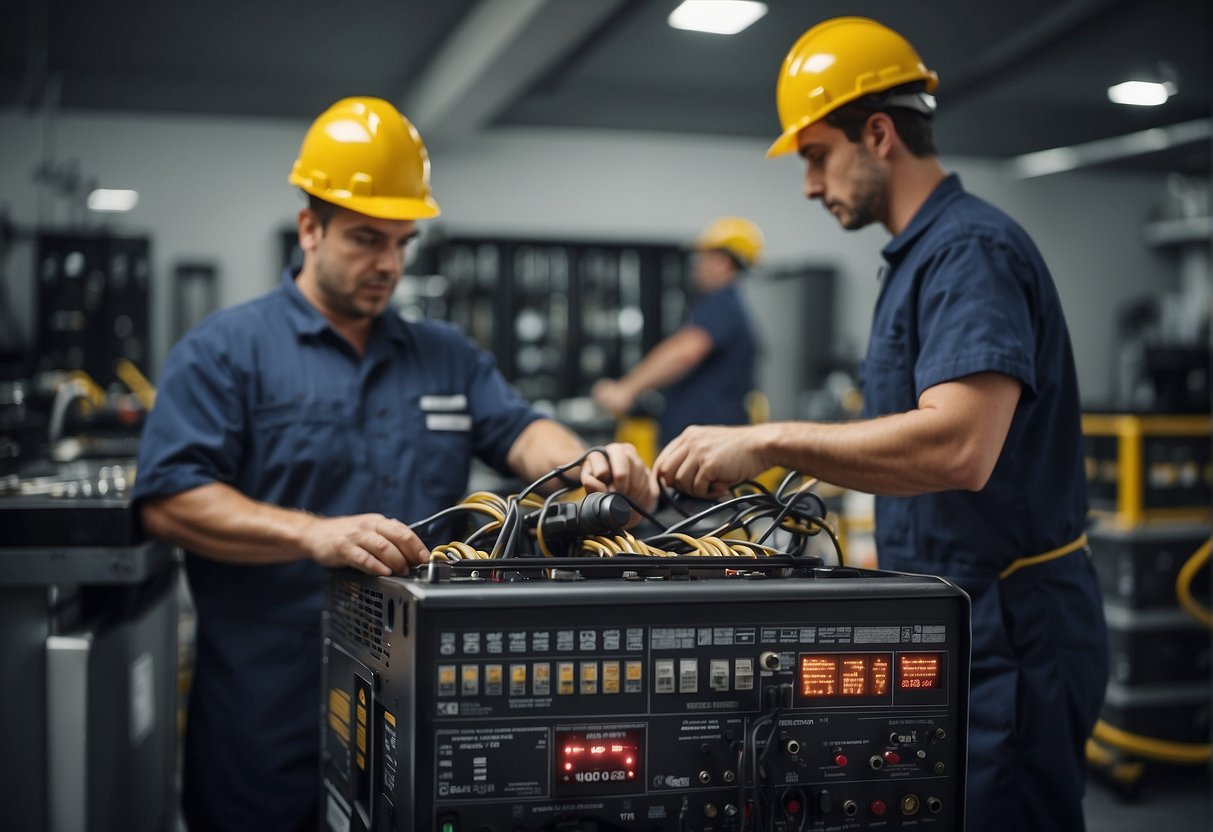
(877, 807)
(892, 758)
(840, 760)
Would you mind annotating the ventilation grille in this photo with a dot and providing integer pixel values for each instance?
(357, 616)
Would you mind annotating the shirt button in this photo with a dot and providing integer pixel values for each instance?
(382, 413)
(386, 482)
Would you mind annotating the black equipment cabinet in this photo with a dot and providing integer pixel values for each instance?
(634, 703)
(88, 661)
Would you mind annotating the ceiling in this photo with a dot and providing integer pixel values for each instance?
(1015, 76)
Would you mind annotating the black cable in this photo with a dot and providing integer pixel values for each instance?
(787, 507)
(787, 480)
(709, 511)
(639, 510)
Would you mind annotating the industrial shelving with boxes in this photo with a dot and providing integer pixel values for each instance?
(1150, 490)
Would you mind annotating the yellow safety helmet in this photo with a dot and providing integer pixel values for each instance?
(836, 62)
(739, 237)
(362, 154)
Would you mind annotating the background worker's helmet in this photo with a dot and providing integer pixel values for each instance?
(362, 154)
(739, 237)
(836, 62)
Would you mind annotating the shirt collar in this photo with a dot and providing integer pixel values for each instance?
(306, 319)
(947, 190)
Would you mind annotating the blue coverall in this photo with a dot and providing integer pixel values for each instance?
(965, 292)
(714, 392)
(266, 397)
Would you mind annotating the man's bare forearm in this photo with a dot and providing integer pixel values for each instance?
(218, 521)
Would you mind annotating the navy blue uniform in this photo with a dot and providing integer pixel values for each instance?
(966, 291)
(714, 392)
(266, 397)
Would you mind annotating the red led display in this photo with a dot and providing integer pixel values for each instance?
(919, 671)
(597, 759)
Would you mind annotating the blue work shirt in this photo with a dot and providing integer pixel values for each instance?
(714, 392)
(966, 291)
(268, 398)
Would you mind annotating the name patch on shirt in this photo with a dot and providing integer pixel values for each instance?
(448, 421)
(454, 402)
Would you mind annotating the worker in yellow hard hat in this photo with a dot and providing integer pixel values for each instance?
(971, 439)
(705, 369)
(304, 430)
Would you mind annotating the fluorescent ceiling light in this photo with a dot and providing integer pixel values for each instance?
(720, 17)
(109, 199)
(1141, 93)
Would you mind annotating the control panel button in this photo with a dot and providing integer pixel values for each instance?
(892, 758)
(471, 680)
(564, 678)
(840, 760)
(494, 676)
(663, 676)
(688, 676)
(877, 807)
(446, 680)
(610, 677)
(542, 684)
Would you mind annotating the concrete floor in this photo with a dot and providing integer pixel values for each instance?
(1177, 800)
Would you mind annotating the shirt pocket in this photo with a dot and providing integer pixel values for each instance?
(304, 438)
(887, 377)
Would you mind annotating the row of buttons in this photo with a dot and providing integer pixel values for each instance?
(571, 677)
(687, 678)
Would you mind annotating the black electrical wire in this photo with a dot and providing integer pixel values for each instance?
(787, 507)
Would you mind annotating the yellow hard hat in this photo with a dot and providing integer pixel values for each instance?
(739, 237)
(836, 62)
(362, 154)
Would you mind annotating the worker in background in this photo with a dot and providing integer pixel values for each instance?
(705, 370)
(971, 440)
(297, 432)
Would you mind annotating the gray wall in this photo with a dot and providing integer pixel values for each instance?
(215, 189)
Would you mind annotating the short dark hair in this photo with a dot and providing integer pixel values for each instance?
(915, 129)
(324, 211)
(739, 265)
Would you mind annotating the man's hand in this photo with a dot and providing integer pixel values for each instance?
(621, 471)
(705, 461)
(613, 397)
(370, 542)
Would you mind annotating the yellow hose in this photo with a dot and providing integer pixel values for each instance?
(1183, 584)
(1168, 751)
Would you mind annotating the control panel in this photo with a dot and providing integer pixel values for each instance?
(832, 700)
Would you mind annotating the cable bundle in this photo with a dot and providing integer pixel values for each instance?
(560, 525)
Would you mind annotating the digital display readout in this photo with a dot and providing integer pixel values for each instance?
(844, 674)
(919, 671)
(603, 760)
